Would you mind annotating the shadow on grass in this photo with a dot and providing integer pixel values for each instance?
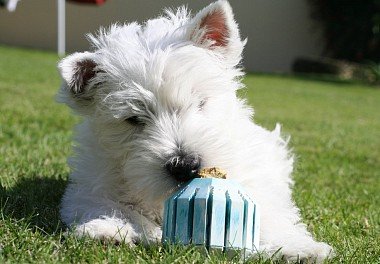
(34, 201)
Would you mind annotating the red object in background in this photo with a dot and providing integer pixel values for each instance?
(96, 2)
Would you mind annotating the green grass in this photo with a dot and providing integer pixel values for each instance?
(335, 129)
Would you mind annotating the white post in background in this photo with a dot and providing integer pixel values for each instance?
(61, 27)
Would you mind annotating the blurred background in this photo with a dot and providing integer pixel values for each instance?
(318, 36)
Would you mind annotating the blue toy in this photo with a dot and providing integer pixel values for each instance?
(215, 213)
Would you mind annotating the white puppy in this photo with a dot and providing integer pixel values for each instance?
(159, 102)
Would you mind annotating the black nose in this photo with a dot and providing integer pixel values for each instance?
(183, 168)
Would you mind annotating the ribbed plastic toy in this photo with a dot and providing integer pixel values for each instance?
(215, 213)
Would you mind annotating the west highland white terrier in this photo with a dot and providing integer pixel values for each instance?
(158, 103)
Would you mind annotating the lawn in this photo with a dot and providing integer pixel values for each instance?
(335, 133)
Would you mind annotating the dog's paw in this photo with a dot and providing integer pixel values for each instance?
(151, 236)
(315, 252)
(108, 230)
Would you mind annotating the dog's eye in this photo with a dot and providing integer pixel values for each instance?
(134, 120)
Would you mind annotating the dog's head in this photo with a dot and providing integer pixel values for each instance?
(161, 97)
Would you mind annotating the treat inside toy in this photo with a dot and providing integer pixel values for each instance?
(212, 172)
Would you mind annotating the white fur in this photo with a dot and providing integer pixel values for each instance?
(162, 72)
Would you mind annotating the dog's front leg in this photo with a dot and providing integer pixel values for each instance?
(279, 234)
(131, 228)
(101, 218)
(107, 228)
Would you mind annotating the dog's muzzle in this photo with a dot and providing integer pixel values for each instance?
(183, 168)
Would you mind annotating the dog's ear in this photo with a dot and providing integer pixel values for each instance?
(214, 28)
(78, 71)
